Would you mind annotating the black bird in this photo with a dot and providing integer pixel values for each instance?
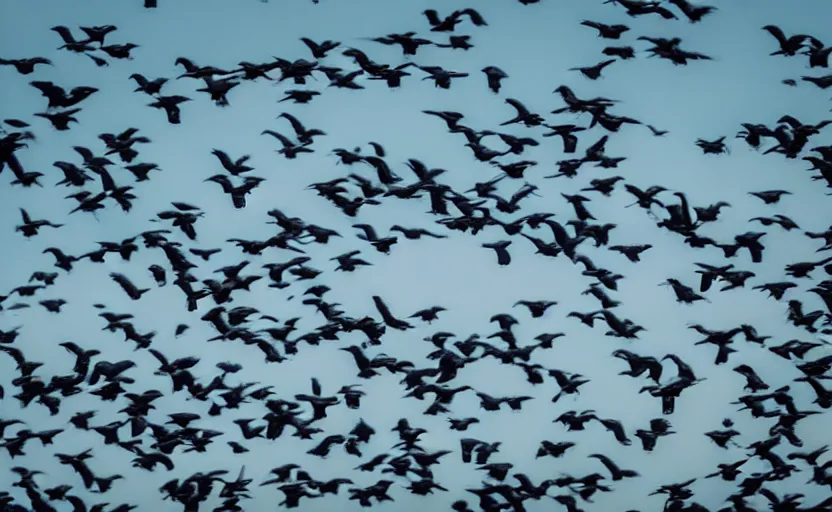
(129, 288)
(622, 52)
(694, 13)
(170, 104)
(304, 135)
(770, 196)
(632, 252)
(30, 228)
(448, 24)
(299, 96)
(503, 257)
(388, 317)
(593, 72)
(319, 50)
(615, 472)
(149, 87)
(606, 31)
(70, 43)
(234, 167)
(59, 98)
(495, 77)
(789, 46)
(523, 115)
(25, 66)
(60, 120)
(290, 149)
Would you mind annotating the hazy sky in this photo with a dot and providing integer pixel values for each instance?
(535, 45)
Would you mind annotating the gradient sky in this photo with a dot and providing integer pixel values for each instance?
(534, 45)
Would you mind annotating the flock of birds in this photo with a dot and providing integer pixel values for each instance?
(108, 177)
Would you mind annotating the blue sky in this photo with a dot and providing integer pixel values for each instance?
(534, 45)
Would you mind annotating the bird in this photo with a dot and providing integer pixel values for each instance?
(789, 46)
(495, 77)
(606, 31)
(26, 66)
(30, 227)
(594, 72)
(59, 98)
(234, 167)
(503, 256)
(448, 24)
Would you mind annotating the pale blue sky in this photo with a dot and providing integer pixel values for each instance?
(534, 45)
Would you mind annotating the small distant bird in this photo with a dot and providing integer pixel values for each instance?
(495, 76)
(448, 24)
(770, 196)
(593, 72)
(503, 257)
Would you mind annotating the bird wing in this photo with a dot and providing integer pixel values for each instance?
(475, 17)
(162, 459)
(282, 138)
(369, 231)
(65, 34)
(296, 125)
(223, 158)
(122, 280)
(312, 45)
(791, 121)
(378, 149)
(15, 354)
(611, 467)
(521, 109)
(48, 89)
(778, 34)
(85, 153)
(158, 355)
(382, 307)
(617, 429)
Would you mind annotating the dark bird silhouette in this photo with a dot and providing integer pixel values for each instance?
(30, 228)
(622, 52)
(770, 196)
(25, 66)
(523, 115)
(388, 317)
(304, 135)
(170, 104)
(594, 72)
(234, 167)
(616, 473)
(59, 98)
(60, 120)
(632, 252)
(495, 77)
(503, 257)
(789, 46)
(149, 87)
(449, 23)
(290, 149)
(129, 288)
(606, 31)
(320, 50)
(694, 13)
